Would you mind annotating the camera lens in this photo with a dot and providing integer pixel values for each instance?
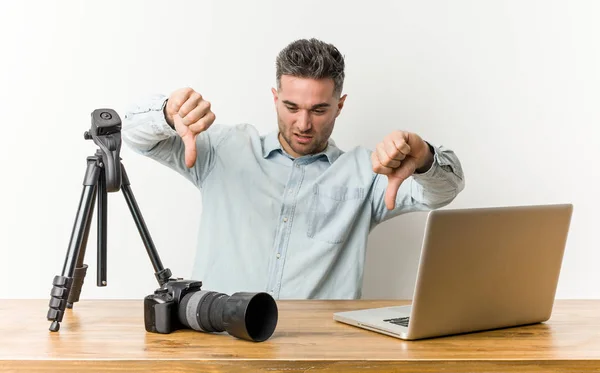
(250, 316)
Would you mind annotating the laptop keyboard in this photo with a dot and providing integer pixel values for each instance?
(402, 321)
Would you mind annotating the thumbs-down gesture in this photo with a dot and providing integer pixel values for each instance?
(398, 156)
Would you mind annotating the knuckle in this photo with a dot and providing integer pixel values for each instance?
(174, 109)
(196, 96)
(202, 125)
(182, 95)
(379, 168)
(184, 113)
(384, 157)
(195, 128)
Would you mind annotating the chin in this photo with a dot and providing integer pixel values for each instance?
(299, 150)
(304, 149)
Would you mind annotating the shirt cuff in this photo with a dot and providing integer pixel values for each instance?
(152, 110)
(438, 168)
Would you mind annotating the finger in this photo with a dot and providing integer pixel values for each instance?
(392, 151)
(189, 142)
(189, 105)
(178, 99)
(378, 167)
(203, 124)
(384, 157)
(197, 113)
(405, 171)
(401, 140)
(392, 191)
(402, 146)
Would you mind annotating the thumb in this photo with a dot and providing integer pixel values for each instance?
(189, 142)
(391, 191)
(396, 179)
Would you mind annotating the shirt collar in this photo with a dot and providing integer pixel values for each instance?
(271, 143)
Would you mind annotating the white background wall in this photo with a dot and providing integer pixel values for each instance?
(512, 86)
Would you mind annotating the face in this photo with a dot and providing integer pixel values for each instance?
(306, 113)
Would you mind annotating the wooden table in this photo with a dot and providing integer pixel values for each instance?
(110, 335)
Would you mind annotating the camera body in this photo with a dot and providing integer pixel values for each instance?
(182, 304)
(161, 309)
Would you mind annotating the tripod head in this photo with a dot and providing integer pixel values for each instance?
(106, 133)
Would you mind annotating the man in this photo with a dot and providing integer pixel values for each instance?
(289, 213)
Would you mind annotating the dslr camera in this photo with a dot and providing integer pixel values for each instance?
(180, 304)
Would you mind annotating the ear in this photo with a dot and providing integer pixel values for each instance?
(341, 104)
(275, 95)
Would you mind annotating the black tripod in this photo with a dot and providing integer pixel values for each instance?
(104, 174)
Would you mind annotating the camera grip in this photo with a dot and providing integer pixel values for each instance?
(158, 314)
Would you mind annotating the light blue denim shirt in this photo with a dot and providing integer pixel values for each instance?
(294, 227)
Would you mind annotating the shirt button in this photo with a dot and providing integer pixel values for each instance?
(278, 255)
(284, 220)
(297, 165)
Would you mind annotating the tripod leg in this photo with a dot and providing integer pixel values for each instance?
(62, 284)
(102, 225)
(80, 268)
(162, 274)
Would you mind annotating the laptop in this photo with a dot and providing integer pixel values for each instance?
(480, 269)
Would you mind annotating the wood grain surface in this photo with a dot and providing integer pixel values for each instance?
(110, 336)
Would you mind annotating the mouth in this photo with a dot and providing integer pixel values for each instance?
(303, 139)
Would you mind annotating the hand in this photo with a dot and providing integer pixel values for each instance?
(189, 114)
(398, 156)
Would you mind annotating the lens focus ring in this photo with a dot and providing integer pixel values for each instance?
(192, 304)
(206, 308)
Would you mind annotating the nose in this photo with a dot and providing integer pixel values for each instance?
(304, 121)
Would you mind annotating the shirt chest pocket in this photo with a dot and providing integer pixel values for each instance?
(332, 212)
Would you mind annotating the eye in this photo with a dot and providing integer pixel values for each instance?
(292, 109)
(319, 111)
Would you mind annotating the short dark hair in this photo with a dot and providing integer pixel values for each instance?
(311, 58)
